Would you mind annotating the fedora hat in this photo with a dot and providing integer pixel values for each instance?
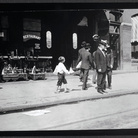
(96, 37)
(83, 44)
(107, 46)
(87, 45)
(103, 42)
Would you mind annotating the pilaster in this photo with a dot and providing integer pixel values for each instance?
(125, 46)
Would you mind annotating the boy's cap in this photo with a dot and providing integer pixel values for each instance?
(83, 44)
(61, 58)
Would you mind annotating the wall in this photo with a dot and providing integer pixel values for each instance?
(125, 39)
(127, 15)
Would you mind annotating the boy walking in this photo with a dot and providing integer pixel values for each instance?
(61, 70)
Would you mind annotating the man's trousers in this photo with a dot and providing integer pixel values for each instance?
(101, 80)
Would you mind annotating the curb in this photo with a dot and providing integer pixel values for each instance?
(67, 101)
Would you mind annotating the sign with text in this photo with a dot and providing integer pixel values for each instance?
(31, 35)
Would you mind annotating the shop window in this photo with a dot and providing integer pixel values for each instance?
(4, 32)
(32, 36)
(48, 39)
(75, 40)
(31, 30)
(32, 24)
(134, 37)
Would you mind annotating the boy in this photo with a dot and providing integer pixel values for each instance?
(61, 71)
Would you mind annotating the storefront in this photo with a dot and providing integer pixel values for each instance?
(42, 36)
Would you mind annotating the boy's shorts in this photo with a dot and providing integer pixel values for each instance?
(61, 79)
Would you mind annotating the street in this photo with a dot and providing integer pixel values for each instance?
(111, 113)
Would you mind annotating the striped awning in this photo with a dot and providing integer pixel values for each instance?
(134, 33)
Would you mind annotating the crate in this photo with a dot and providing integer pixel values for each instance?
(37, 76)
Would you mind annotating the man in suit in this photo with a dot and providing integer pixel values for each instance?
(79, 53)
(96, 39)
(101, 66)
(87, 62)
(1, 68)
(110, 62)
(94, 75)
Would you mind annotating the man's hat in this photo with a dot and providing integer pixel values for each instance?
(96, 37)
(107, 46)
(61, 58)
(83, 44)
(87, 45)
(103, 42)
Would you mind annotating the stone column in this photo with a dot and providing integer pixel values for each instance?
(125, 46)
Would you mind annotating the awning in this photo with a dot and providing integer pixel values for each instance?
(83, 22)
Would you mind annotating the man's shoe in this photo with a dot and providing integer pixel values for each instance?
(2, 81)
(109, 87)
(104, 91)
(84, 88)
(99, 91)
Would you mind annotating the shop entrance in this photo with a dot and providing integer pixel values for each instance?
(115, 46)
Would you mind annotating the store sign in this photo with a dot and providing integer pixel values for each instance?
(37, 46)
(27, 37)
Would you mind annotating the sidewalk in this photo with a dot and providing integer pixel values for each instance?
(31, 94)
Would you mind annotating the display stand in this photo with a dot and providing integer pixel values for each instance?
(15, 77)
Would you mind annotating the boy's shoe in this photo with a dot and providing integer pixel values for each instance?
(67, 90)
(57, 91)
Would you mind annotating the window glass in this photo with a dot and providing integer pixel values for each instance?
(74, 40)
(31, 29)
(134, 37)
(31, 24)
(48, 39)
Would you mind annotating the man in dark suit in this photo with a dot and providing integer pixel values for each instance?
(110, 62)
(1, 68)
(96, 39)
(101, 66)
(87, 62)
(79, 53)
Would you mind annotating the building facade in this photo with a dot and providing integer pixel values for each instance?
(123, 37)
(128, 40)
(40, 36)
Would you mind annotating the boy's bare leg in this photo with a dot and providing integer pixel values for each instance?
(58, 89)
(65, 88)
